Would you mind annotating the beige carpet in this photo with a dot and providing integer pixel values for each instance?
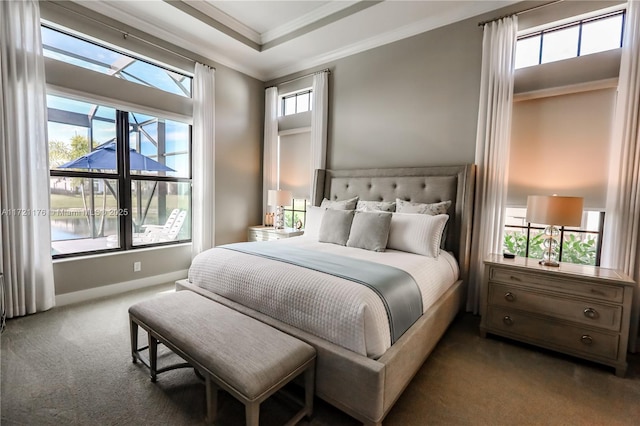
(71, 366)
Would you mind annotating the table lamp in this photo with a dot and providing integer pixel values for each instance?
(279, 198)
(553, 211)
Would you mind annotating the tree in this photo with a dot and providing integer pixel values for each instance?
(59, 153)
(79, 146)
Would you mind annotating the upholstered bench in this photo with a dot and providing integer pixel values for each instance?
(237, 353)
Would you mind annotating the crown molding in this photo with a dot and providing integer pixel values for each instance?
(376, 41)
(306, 20)
(228, 21)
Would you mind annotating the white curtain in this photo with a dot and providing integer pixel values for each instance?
(622, 220)
(204, 160)
(319, 117)
(270, 155)
(25, 230)
(492, 147)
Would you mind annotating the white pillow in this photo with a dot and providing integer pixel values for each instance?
(417, 233)
(403, 206)
(376, 206)
(313, 221)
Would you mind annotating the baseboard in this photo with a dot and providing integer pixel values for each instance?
(109, 290)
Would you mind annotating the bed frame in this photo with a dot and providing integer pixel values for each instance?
(367, 388)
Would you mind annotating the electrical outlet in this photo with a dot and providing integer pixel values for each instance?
(137, 266)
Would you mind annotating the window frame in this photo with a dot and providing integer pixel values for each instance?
(579, 23)
(295, 95)
(125, 179)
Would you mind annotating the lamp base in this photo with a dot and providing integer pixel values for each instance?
(279, 221)
(549, 263)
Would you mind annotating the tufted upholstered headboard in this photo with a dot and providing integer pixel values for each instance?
(416, 184)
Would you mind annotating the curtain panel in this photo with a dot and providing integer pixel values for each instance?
(319, 117)
(621, 247)
(270, 164)
(492, 147)
(25, 230)
(204, 160)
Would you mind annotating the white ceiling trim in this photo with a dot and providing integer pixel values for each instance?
(305, 20)
(226, 20)
(380, 40)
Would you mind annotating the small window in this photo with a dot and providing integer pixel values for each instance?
(295, 215)
(601, 34)
(560, 44)
(296, 103)
(578, 38)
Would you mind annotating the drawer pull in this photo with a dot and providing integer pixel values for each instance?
(507, 320)
(598, 292)
(513, 278)
(586, 339)
(591, 313)
(510, 297)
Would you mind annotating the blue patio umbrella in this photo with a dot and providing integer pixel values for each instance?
(104, 157)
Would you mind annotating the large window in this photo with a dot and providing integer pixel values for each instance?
(578, 38)
(120, 178)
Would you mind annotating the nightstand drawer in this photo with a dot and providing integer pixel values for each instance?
(573, 287)
(594, 314)
(258, 236)
(551, 334)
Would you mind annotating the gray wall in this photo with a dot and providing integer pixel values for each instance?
(409, 103)
(239, 130)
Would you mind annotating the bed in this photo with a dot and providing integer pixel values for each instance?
(360, 370)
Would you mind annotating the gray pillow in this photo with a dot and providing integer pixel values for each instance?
(370, 230)
(349, 204)
(335, 226)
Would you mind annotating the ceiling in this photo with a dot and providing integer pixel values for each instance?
(270, 39)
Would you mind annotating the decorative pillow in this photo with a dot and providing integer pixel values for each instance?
(349, 204)
(370, 230)
(433, 209)
(417, 233)
(376, 206)
(313, 221)
(335, 226)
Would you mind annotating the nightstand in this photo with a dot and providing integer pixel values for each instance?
(579, 310)
(269, 233)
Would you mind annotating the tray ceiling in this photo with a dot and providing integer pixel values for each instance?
(271, 39)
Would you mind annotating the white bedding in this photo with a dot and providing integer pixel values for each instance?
(338, 310)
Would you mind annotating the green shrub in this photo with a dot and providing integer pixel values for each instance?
(574, 249)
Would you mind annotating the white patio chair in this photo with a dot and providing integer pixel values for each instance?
(150, 233)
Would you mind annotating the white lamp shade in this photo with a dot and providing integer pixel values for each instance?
(279, 197)
(554, 210)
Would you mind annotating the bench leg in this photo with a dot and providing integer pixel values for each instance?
(252, 413)
(309, 389)
(153, 357)
(212, 399)
(134, 340)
